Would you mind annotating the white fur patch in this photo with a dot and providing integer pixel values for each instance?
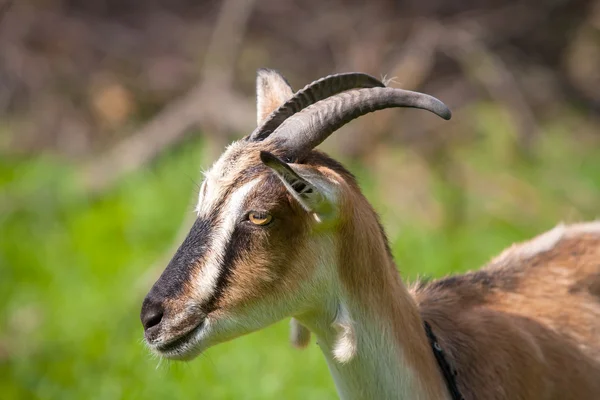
(207, 282)
(345, 345)
(542, 243)
(547, 240)
(210, 191)
(592, 227)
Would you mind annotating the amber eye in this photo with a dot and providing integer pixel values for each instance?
(260, 217)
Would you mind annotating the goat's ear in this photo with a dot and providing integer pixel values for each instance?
(307, 194)
(272, 90)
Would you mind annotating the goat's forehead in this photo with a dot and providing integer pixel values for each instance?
(238, 165)
(235, 158)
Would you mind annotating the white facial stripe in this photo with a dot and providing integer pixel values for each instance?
(208, 196)
(211, 190)
(209, 274)
(201, 195)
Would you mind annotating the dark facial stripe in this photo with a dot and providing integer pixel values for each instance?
(237, 244)
(195, 248)
(191, 251)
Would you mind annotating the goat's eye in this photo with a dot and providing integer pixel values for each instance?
(260, 217)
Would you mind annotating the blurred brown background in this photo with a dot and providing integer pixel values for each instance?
(79, 77)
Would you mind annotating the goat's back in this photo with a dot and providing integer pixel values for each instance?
(528, 324)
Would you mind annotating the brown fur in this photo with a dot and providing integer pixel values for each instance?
(260, 265)
(380, 289)
(527, 326)
(507, 328)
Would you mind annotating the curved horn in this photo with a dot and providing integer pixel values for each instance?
(307, 129)
(310, 94)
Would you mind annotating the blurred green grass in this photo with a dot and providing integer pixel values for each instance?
(74, 270)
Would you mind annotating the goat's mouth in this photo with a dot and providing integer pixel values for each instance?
(182, 345)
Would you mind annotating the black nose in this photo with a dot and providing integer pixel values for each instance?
(152, 313)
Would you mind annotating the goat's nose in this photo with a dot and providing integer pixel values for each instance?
(152, 313)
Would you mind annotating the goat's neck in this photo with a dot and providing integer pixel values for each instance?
(370, 330)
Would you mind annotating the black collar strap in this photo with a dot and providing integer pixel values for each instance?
(447, 371)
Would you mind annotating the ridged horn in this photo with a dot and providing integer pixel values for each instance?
(310, 94)
(306, 129)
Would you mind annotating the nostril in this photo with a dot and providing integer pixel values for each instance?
(152, 314)
(152, 320)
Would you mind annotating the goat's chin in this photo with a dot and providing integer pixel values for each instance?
(187, 354)
(186, 347)
(212, 331)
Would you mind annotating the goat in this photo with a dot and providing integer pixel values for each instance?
(284, 231)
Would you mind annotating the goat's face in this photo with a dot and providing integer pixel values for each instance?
(263, 245)
(251, 258)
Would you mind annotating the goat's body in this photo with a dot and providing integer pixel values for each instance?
(526, 326)
(283, 230)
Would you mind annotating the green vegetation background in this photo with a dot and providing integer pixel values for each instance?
(74, 269)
